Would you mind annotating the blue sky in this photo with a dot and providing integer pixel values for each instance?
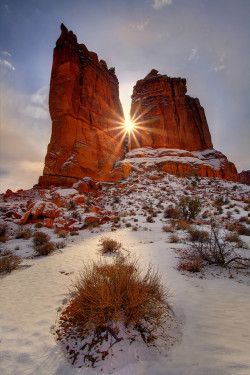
(204, 41)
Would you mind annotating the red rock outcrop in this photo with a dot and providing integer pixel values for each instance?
(166, 116)
(85, 109)
(244, 177)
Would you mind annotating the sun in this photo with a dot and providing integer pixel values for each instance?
(129, 125)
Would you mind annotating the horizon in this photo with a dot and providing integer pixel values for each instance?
(205, 43)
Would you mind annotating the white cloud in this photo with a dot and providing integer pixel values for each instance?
(37, 104)
(220, 65)
(139, 26)
(7, 64)
(5, 7)
(194, 56)
(158, 4)
(5, 53)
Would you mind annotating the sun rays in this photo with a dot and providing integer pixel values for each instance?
(131, 130)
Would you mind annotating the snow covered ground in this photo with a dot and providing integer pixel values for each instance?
(212, 307)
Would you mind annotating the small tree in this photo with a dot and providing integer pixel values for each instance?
(189, 208)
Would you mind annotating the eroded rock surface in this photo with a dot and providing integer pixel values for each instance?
(85, 108)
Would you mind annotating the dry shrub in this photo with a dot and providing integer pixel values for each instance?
(232, 237)
(3, 230)
(38, 225)
(243, 230)
(171, 212)
(45, 248)
(42, 245)
(182, 225)
(62, 233)
(173, 238)
(40, 238)
(9, 262)
(116, 292)
(108, 245)
(193, 264)
(25, 234)
(198, 235)
(168, 228)
(150, 219)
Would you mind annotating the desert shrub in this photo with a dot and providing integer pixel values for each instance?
(198, 235)
(134, 228)
(40, 238)
(243, 230)
(108, 245)
(25, 234)
(168, 228)
(3, 230)
(62, 233)
(171, 212)
(216, 250)
(9, 262)
(60, 245)
(115, 292)
(193, 264)
(244, 219)
(128, 225)
(74, 233)
(173, 238)
(232, 237)
(221, 200)
(189, 208)
(38, 225)
(150, 219)
(205, 214)
(45, 248)
(182, 225)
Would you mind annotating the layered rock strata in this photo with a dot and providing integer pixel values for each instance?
(166, 116)
(85, 110)
(206, 163)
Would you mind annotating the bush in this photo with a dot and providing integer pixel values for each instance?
(243, 230)
(171, 212)
(150, 219)
(9, 262)
(38, 225)
(182, 225)
(193, 264)
(40, 238)
(189, 208)
(108, 245)
(168, 228)
(198, 235)
(173, 238)
(3, 230)
(25, 234)
(62, 233)
(45, 249)
(116, 292)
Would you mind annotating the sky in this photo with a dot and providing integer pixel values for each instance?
(204, 41)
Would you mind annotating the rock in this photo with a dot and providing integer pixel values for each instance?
(40, 209)
(207, 163)
(167, 116)
(85, 110)
(244, 177)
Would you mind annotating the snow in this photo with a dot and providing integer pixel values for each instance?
(212, 310)
(215, 313)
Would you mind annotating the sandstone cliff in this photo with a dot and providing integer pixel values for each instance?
(167, 117)
(244, 177)
(85, 108)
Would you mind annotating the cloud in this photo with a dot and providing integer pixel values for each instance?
(5, 53)
(6, 63)
(5, 8)
(194, 56)
(25, 130)
(158, 4)
(220, 65)
(139, 26)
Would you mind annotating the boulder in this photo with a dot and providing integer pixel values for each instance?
(41, 209)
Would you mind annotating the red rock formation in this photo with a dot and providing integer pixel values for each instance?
(85, 108)
(207, 163)
(244, 177)
(167, 117)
